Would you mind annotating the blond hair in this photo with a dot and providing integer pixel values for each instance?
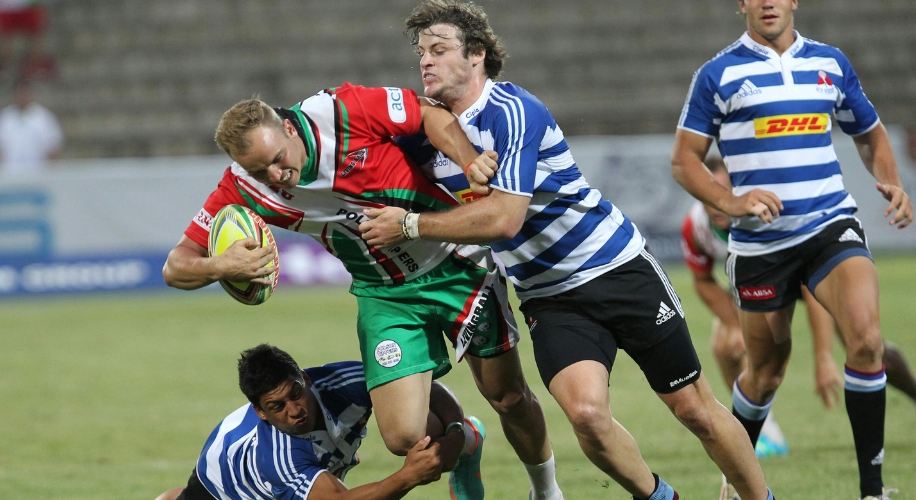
(232, 132)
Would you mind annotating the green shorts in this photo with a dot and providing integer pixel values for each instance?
(400, 326)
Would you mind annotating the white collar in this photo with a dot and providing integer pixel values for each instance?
(474, 109)
(793, 49)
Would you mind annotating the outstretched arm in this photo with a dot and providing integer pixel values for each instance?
(688, 170)
(875, 150)
(496, 217)
(421, 466)
(188, 267)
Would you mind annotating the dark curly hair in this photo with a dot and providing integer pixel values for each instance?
(262, 369)
(474, 30)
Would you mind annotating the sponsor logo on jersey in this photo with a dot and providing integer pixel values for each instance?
(781, 125)
(471, 113)
(203, 219)
(681, 380)
(396, 110)
(747, 89)
(466, 196)
(760, 50)
(824, 83)
(664, 313)
(475, 321)
(356, 217)
(354, 159)
(388, 353)
(757, 292)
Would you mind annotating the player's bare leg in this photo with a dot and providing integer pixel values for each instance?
(401, 409)
(172, 494)
(501, 381)
(899, 374)
(581, 391)
(850, 293)
(724, 439)
(728, 349)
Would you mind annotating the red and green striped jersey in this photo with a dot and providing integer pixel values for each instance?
(353, 163)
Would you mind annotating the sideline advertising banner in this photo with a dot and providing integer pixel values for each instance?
(106, 225)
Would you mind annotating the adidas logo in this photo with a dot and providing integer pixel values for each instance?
(850, 235)
(748, 89)
(879, 459)
(664, 313)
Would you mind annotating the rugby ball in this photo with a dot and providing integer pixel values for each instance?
(233, 223)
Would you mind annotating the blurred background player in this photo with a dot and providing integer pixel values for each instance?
(704, 240)
(300, 434)
(30, 135)
(767, 100)
(304, 170)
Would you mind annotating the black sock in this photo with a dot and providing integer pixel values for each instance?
(751, 426)
(866, 416)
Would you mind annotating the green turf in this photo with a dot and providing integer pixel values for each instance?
(112, 397)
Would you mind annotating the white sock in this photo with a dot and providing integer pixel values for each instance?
(470, 438)
(772, 430)
(543, 479)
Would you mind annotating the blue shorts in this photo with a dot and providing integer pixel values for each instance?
(770, 282)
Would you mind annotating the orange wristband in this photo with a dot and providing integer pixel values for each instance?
(467, 167)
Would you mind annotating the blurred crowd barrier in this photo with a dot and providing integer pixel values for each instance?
(103, 225)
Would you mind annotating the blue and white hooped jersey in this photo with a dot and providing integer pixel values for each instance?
(247, 458)
(571, 234)
(771, 116)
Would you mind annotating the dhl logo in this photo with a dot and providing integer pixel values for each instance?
(775, 126)
(466, 196)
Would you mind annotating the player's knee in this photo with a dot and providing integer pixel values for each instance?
(727, 352)
(695, 416)
(399, 443)
(586, 417)
(866, 344)
(513, 402)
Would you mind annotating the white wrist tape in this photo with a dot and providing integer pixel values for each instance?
(412, 226)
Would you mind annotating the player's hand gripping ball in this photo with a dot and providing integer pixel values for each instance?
(233, 223)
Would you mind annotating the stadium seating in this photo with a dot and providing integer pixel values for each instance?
(141, 78)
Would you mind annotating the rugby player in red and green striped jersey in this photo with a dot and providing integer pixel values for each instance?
(312, 169)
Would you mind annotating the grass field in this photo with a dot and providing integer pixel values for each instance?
(112, 397)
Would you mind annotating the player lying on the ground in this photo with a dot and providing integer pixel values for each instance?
(299, 436)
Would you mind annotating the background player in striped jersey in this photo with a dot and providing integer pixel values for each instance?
(704, 240)
(300, 434)
(767, 99)
(579, 265)
(312, 169)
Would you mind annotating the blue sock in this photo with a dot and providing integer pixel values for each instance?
(662, 490)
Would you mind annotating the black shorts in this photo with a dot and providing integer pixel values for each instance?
(195, 489)
(633, 307)
(773, 281)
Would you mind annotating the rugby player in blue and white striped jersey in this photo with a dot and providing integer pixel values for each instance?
(579, 265)
(768, 100)
(300, 435)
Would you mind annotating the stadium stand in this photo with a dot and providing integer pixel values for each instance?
(141, 78)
